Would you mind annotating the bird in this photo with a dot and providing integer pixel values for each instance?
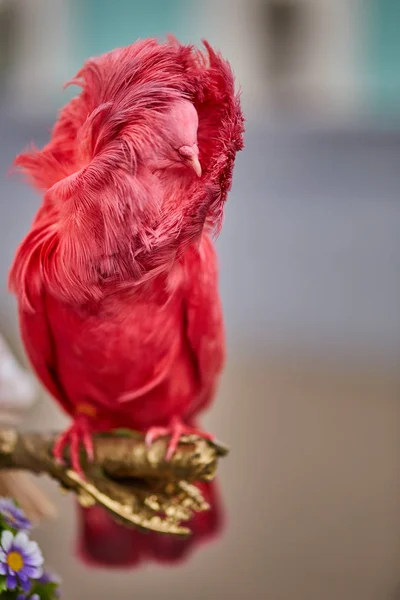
(117, 278)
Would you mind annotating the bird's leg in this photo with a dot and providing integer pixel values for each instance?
(176, 429)
(79, 433)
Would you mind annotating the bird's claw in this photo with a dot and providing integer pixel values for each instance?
(176, 429)
(78, 434)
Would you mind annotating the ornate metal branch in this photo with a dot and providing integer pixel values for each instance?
(132, 481)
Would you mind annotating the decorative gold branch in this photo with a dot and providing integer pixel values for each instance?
(132, 481)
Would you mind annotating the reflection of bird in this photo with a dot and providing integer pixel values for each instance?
(17, 393)
(117, 279)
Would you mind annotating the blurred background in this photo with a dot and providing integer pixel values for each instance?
(310, 280)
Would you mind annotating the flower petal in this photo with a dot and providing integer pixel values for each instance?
(3, 569)
(35, 561)
(6, 540)
(3, 556)
(49, 577)
(33, 572)
(11, 582)
(21, 541)
(34, 558)
(25, 583)
(31, 548)
(6, 504)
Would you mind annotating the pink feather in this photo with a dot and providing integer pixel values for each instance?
(91, 172)
(117, 279)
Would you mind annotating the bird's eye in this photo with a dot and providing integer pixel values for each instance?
(186, 151)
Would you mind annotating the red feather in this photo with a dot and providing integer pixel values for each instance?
(117, 278)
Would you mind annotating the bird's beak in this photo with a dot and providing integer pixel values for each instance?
(190, 156)
(194, 163)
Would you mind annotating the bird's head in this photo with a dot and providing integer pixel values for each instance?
(178, 139)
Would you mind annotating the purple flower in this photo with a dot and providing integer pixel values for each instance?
(23, 597)
(20, 560)
(14, 516)
(48, 577)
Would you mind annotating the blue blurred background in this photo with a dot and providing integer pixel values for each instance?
(310, 280)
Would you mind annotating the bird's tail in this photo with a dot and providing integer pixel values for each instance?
(104, 543)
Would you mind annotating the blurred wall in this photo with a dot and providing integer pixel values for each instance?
(293, 55)
(39, 59)
(319, 176)
(380, 71)
(314, 58)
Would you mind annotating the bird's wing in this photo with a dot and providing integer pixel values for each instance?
(39, 346)
(204, 320)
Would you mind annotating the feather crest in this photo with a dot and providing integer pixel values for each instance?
(105, 221)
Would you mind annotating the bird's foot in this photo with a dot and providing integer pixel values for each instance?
(78, 434)
(176, 429)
